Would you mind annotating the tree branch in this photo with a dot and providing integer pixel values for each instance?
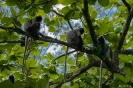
(127, 5)
(63, 16)
(76, 73)
(46, 39)
(122, 37)
(127, 52)
(64, 54)
(89, 22)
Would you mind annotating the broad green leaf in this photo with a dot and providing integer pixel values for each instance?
(50, 56)
(3, 62)
(67, 2)
(73, 68)
(112, 37)
(122, 8)
(7, 46)
(69, 15)
(13, 11)
(6, 84)
(131, 5)
(63, 37)
(103, 3)
(12, 2)
(43, 82)
(118, 30)
(30, 63)
(93, 14)
(51, 29)
(65, 10)
(54, 2)
(44, 44)
(33, 44)
(61, 59)
(6, 20)
(35, 52)
(47, 8)
(70, 61)
(12, 58)
(92, 2)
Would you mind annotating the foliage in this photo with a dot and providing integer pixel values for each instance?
(41, 69)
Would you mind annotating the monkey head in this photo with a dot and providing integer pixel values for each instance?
(101, 40)
(11, 78)
(38, 18)
(81, 30)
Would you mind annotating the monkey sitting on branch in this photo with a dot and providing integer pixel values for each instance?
(31, 27)
(105, 50)
(74, 37)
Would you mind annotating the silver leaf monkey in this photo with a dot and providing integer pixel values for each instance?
(31, 27)
(73, 37)
(105, 51)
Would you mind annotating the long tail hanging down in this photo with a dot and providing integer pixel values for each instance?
(27, 43)
(65, 64)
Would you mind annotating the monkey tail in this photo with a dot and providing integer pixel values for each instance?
(27, 43)
(65, 64)
(100, 78)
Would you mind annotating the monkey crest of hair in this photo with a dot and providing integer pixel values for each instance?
(38, 18)
(74, 37)
(11, 78)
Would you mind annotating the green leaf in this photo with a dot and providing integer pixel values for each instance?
(69, 15)
(63, 37)
(68, 2)
(6, 20)
(30, 63)
(50, 56)
(13, 11)
(6, 84)
(35, 52)
(46, 8)
(118, 30)
(92, 2)
(7, 46)
(93, 14)
(51, 29)
(43, 83)
(103, 3)
(12, 2)
(47, 21)
(70, 61)
(44, 44)
(54, 2)
(65, 10)
(12, 58)
(112, 37)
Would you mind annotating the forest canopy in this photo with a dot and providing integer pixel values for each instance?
(44, 65)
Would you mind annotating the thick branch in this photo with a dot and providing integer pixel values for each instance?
(46, 38)
(122, 37)
(76, 73)
(89, 22)
(127, 52)
(127, 5)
